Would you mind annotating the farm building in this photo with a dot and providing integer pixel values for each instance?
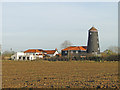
(51, 53)
(32, 54)
(74, 50)
(91, 48)
(22, 56)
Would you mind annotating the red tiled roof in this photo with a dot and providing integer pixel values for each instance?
(58, 54)
(75, 48)
(40, 50)
(33, 50)
(85, 47)
(50, 51)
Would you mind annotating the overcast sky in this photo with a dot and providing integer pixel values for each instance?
(47, 25)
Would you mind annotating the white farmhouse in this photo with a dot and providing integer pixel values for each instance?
(22, 56)
(51, 53)
(32, 54)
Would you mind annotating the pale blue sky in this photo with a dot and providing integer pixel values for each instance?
(0, 23)
(47, 25)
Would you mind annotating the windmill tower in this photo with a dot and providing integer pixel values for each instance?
(93, 41)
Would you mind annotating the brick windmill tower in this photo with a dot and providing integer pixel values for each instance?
(93, 41)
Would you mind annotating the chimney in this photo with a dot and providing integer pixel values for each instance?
(55, 49)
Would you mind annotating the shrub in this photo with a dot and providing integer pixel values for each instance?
(87, 57)
(112, 58)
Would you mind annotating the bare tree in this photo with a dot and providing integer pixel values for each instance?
(114, 49)
(66, 43)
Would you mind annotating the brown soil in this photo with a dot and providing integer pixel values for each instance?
(59, 74)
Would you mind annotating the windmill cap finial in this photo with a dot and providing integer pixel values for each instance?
(93, 28)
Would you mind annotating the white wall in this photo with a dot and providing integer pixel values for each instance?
(30, 55)
(20, 54)
(55, 53)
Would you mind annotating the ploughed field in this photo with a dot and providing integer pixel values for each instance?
(59, 74)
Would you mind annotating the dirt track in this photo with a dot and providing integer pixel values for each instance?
(59, 74)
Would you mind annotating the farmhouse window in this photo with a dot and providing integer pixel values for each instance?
(76, 51)
(19, 57)
(23, 58)
(65, 51)
(27, 58)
